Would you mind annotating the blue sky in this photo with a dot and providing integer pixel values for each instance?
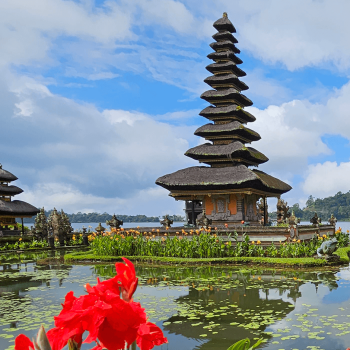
(100, 98)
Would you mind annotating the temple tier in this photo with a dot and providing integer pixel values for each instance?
(227, 192)
(9, 210)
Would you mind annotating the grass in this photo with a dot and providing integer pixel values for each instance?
(89, 256)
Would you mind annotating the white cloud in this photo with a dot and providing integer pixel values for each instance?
(152, 201)
(323, 180)
(78, 154)
(297, 33)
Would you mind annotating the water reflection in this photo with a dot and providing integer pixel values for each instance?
(197, 307)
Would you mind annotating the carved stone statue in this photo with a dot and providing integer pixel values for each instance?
(327, 247)
(293, 220)
(66, 225)
(100, 229)
(261, 213)
(282, 211)
(40, 226)
(166, 222)
(315, 220)
(114, 222)
(203, 221)
(332, 220)
(55, 226)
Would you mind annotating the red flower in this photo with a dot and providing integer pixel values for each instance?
(127, 276)
(112, 322)
(22, 342)
(149, 335)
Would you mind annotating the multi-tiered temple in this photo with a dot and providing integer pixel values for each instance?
(227, 189)
(10, 210)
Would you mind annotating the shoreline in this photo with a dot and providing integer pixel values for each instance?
(89, 257)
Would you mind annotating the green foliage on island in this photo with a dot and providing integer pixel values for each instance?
(338, 205)
(97, 217)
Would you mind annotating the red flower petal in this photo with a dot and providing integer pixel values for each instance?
(149, 335)
(127, 276)
(22, 342)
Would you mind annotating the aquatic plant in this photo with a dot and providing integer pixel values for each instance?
(107, 312)
(200, 244)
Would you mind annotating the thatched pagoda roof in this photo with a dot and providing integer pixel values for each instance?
(228, 129)
(227, 79)
(232, 152)
(225, 35)
(231, 112)
(17, 209)
(225, 178)
(224, 24)
(225, 56)
(9, 190)
(225, 67)
(6, 176)
(225, 44)
(230, 95)
(228, 155)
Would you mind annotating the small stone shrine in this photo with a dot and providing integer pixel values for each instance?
(114, 222)
(166, 222)
(227, 188)
(12, 209)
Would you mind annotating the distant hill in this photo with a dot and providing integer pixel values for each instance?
(96, 217)
(339, 205)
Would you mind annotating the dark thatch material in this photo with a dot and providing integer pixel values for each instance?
(222, 45)
(214, 80)
(229, 112)
(224, 24)
(225, 55)
(229, 66)
(6, 176)
(233, 150)
(226, 35)
(10, 190)
(17, 208)
(226, 178)
(215, 97)
(233, 128)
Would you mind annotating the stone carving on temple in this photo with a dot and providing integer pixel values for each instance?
(282, 211)
(203, 221)
(315, 220)
(262, 205)
(293, 220)
(114, 223)
(166, 222)
(56, 226)
(332, 220)
(66, 225)
(40, 225)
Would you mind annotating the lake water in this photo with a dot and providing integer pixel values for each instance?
(206, 308)
(345, 225)
(93, 225)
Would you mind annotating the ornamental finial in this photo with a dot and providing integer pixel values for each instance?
(224, 15)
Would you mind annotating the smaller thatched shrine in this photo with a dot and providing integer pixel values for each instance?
(12, 209)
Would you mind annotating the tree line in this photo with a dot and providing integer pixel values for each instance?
(338, 205)
(97, 217)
